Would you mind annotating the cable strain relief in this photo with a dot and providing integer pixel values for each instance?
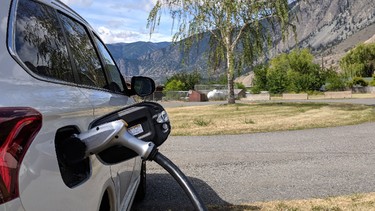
(152, 154)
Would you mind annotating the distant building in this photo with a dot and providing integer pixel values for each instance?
(196, 96)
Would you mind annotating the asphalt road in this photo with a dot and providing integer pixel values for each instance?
(237, 169)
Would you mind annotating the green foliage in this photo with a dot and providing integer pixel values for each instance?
(260, 79)
(303, 73)
(255, 90)
(277, 79)
(294, 72)
(372, 83)
(233, 25)
(182, 81)
(359, 81)
(335, 81)
(239, 86)
(174, 85)
(359, 62)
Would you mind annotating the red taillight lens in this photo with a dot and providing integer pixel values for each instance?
(18, 127)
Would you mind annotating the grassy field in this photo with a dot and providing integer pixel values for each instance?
(264, 117)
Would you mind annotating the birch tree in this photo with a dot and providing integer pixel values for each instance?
(240, 30)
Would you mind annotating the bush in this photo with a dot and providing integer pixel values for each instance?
(294, 72)
(359, 81)
(186, 81)
(255, 90)
(174, 85)
(260, 79)
(335, 81)
(372, 83)
(239, 86)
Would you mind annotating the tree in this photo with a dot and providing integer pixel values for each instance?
(240, 30)
(359, 62)
(303, 74)
(188, 80)
(293, 72)
(277, 74)
(335, 81)
(260, 79)
(174, 85)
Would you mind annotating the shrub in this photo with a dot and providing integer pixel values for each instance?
(372, 83)
(336, 82)
(174, 85)
(255, 90)
(239, 86)
(359, 81)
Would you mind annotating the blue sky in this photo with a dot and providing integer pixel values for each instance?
(121, 20)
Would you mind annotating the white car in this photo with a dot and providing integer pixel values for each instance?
(57, 77)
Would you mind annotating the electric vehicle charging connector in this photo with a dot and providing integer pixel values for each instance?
(116, 133)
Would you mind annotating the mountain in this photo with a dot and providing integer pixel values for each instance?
(135, 50)
(328, 27)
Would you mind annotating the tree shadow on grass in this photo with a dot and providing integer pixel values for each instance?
(164, 193)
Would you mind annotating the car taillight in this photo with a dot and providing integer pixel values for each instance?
(18, 127)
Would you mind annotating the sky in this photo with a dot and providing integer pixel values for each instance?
(122, 21)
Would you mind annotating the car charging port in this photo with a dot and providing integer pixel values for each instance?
(113, 131)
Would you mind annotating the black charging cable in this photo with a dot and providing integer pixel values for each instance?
(180, 177)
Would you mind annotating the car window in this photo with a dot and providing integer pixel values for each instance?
(40, 43)
(84, 55)
(114, 77)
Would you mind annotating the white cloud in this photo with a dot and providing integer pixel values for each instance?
(112, 36)
(126, 36)
(121, 21)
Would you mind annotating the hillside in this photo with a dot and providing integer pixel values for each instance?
(328, 27)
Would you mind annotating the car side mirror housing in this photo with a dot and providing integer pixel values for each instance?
(142, 86)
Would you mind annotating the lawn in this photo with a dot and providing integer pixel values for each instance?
(264, 117)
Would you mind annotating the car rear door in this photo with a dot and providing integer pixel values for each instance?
(103, 85)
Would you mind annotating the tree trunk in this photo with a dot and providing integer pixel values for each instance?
(231, 98)
(230, 76)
